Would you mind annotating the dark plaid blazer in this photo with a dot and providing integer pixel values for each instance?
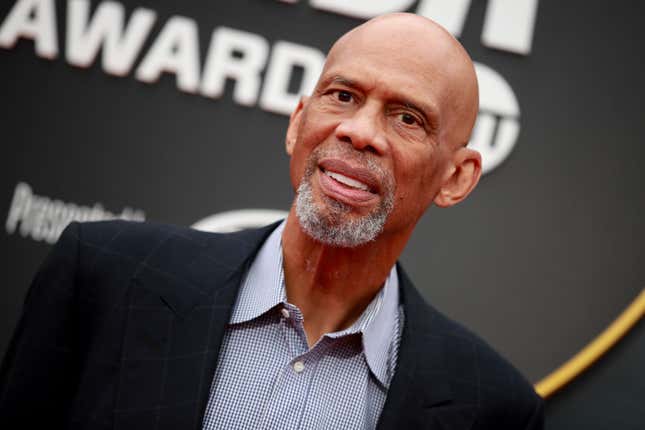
(123, 323)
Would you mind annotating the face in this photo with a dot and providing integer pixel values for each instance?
(369, 149)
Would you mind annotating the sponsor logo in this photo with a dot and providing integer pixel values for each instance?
(498, 122)
(44, 219)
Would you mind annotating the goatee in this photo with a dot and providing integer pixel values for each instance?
(333, 223)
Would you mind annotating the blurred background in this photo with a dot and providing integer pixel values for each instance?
(175, 112)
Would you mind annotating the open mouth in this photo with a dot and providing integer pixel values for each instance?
(352, 176)
(353, 185)
(346, 180)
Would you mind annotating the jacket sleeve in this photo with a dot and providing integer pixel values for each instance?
(38, 373)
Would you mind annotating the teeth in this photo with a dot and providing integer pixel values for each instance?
(347, 181)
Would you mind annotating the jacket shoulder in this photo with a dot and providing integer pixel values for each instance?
(135, 240)
(109, 253)
(132, 238)
(495, 376)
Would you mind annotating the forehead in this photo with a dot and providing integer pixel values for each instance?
(397, 65)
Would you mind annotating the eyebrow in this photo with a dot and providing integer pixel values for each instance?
(342, 81)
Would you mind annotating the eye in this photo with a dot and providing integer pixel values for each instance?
(408, 118)
(411, 119)
(344, 96)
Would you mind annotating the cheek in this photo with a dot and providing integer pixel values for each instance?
(294, 172)
(298, 163)
(313, 133)
(417, 181)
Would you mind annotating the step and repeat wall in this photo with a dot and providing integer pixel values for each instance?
(176, 112)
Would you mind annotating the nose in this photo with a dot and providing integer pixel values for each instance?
(364, 130)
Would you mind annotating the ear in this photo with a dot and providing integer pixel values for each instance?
(294, 125)
(461, 178)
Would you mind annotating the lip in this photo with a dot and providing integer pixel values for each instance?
(343, 193)
(359, 173)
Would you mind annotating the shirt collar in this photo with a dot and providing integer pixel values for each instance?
(263, 288)
(379, 334)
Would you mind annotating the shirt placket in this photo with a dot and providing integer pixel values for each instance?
(291, 392)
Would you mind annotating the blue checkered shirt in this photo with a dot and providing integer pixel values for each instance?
(268, 378)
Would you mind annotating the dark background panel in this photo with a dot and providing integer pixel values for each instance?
(542, 257)
(609, 396)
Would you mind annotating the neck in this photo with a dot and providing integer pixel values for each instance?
(332, 286)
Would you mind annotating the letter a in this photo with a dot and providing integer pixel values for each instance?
(176, 50)
(32, 19)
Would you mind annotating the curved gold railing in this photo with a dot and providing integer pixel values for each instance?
(594, 350)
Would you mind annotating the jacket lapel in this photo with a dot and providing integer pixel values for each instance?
(421, 395)
(180, 301)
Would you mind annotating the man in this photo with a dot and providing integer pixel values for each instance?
(309, 324)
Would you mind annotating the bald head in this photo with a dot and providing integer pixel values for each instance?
(433, 53)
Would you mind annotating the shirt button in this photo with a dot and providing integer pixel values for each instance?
(285, 313)
(298, 366)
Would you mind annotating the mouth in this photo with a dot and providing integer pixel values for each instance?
(346, 180)
(354, 186)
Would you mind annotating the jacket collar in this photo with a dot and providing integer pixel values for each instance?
(203, 266)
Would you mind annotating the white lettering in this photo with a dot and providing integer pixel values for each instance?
(509, 25)
(32, 19)
(451, 14)
(365, 9)
(497, 127)
(120, 49)
(176, 50)
(242, 56)
(245, 67)
(44, 219)
(19, 206)
(275, 95)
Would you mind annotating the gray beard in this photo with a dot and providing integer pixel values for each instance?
(331, 226)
